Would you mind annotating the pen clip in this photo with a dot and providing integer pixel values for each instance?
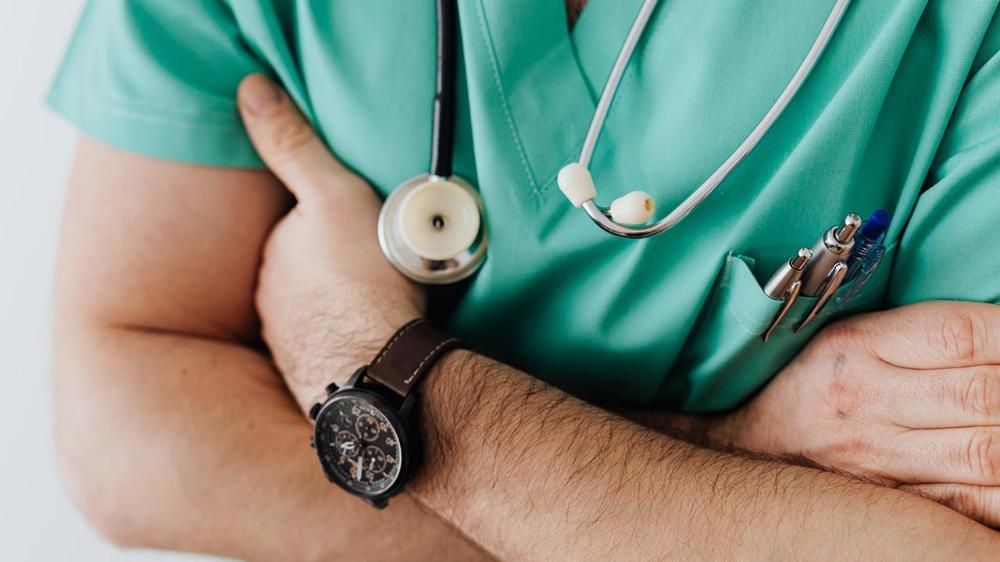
(789, 297)
(830, 285)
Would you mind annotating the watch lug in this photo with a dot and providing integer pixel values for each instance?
(331, 388)
(406, 410)
(314, 411)
(353, 381)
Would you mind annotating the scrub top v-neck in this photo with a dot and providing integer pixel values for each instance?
(900, 113)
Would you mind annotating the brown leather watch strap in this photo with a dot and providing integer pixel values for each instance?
(409, 354)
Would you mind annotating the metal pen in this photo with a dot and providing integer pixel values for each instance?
(785, 284)
(825, 273)
(835, 246)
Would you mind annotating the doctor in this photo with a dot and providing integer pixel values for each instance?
(626, 347)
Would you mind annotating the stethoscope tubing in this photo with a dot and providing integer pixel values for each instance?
(443, 123)
(600, 214)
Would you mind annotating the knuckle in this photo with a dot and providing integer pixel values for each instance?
(845, 393)
(289, 137)
(980, 394)
(982, 454)
(964, 499)
(837, 336)
(956, 336)
(851, 452)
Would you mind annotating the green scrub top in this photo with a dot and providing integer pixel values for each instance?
(902, 112)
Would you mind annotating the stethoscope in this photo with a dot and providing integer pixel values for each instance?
(431, 227)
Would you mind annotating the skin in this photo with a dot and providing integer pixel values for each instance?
(524, 469)
(173, 429)
(908, 397)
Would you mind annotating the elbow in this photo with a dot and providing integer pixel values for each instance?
(104, 508)
(108, 518)
(105, 503)
(92, 445)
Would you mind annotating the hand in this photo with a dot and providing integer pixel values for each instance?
(908, 397)
(327, 298)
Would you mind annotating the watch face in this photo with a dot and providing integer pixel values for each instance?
(359, 443)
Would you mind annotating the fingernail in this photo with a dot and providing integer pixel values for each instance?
(260, 95)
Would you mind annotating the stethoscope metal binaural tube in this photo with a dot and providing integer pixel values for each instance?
(600, 215)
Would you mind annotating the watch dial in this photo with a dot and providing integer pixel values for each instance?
(358, 445)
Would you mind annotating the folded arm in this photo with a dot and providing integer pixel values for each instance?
(532, 473)
(521, 467)
(173, 431)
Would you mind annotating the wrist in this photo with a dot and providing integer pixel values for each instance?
(328, 349)
(450, 407)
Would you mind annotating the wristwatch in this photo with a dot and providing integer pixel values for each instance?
(366, 432)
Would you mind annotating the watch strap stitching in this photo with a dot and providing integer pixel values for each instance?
(430, 355)
(395, 338)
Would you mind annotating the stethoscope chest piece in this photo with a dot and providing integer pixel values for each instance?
(431, 229)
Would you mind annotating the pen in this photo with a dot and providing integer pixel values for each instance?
(825, 273)
(785, 284)
(834, 247)
(869, 247)
(868, 239)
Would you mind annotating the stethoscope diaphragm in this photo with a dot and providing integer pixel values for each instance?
(431, 229)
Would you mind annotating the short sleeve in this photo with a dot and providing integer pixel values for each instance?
(159, 77)
(951, 247)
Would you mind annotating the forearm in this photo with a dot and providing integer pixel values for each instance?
(193, 444)
(531, 473)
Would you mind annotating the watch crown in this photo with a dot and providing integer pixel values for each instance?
(312, 441)
(314, 411)
(331, 388)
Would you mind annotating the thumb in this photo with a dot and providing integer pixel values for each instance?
(286, 141)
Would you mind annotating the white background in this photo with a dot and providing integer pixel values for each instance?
(37, 521)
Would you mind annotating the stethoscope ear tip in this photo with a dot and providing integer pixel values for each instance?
(576, 183)
(633, 208)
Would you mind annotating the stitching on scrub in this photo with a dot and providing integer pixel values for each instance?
(124, 105)
(570, 157)
(628, 76)
(138, 115)
(498, 84)
(745, 320)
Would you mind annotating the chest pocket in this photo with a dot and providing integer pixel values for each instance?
(725, 360)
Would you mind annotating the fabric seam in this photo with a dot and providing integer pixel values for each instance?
(504, 102)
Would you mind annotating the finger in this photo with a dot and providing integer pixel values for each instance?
(931, 335)
(981, 503)
(943, 398)
(963, 455)
(287, 142)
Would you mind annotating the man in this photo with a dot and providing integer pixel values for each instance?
(151, 333)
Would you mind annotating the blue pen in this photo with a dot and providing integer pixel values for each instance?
(866, 255)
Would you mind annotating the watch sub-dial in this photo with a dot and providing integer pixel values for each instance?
(347, 444)
(367, 427)
(373, 460)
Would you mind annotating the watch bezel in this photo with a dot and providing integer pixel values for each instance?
(401, 426)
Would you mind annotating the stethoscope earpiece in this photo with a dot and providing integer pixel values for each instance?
(431, 229)
(635, 207)
(576, 183)
(627, 216)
